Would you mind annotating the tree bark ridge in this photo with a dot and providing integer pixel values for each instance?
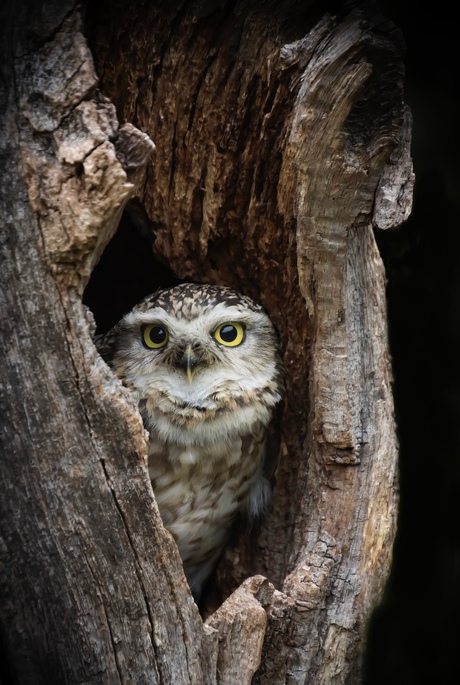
(79, 513)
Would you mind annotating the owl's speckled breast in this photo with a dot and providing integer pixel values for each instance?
(200, 490)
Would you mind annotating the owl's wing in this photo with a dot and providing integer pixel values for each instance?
(272, 450)
(263, 446)
(105, 345)
(253, 449)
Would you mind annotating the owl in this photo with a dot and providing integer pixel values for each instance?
(204, 365)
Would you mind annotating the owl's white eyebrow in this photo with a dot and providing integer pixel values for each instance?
(139, 318)
(231, 319)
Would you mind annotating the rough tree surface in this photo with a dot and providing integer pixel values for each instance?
(281, 139)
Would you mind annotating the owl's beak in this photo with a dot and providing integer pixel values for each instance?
(189, 361)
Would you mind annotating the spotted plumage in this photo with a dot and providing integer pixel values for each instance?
(204, 365)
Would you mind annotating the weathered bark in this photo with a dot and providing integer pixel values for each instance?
(80, 530)
(281, 137)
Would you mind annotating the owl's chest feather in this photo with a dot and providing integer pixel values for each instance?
(203, 477)
(200, 489)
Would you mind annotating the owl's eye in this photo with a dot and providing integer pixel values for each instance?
(154, 336)
(230, 334)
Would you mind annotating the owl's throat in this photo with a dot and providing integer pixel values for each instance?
(212, 422)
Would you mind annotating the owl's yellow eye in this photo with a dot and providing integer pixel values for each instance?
(154, 336)
(230, 334)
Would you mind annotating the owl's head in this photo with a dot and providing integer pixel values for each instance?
(197, 349)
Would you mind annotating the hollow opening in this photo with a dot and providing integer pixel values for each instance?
(127, 272)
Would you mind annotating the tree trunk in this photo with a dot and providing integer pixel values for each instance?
(281, 140)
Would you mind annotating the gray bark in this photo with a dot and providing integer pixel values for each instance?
(280, 139)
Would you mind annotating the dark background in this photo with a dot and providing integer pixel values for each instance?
(414, 633)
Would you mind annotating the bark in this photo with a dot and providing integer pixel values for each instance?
(281, 140)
